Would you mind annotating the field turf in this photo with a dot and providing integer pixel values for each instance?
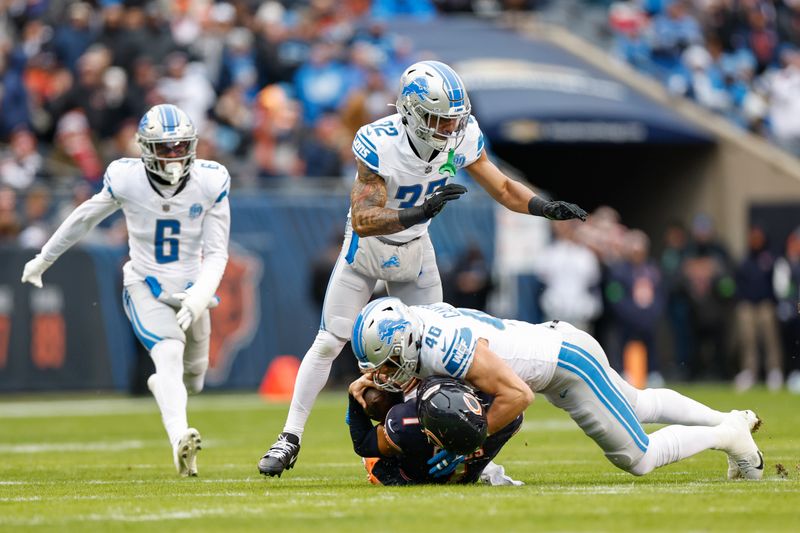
(101, 463)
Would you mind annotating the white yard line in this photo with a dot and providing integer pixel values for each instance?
(97, 446)
(118, 406)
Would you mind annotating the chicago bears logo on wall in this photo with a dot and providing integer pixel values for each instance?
(234, 321)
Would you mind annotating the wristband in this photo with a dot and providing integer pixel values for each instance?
(536, 206)
(412, 216)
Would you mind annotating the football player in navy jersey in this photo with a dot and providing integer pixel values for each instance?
(405, 448)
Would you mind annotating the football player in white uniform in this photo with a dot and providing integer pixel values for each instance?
(510, 360)
(404, 164)
(178, 219)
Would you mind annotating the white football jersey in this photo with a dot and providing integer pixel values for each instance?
(383, 147)
(450, 336)
(168, 238)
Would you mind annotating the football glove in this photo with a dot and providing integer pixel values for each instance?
(563, 211)
(32, 273)
(444, 463)
(432, 205)
(192, 305)
(555, 210)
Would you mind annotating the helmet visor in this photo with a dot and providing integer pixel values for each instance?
(172, 149)
(445, 128)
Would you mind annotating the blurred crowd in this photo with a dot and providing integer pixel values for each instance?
(738, 58)
(277, 89)
(698, 313)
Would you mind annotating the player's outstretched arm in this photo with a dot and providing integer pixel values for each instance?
(77, 224)
(516, 196)
(369, 215)
(493, 376)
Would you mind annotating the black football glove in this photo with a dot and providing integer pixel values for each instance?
(432, 205)
(563, 211)
(556, 210)
(436, 201)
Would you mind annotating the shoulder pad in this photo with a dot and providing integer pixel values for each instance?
(214, 179)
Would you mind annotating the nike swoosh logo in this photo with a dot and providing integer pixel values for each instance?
(563, 393)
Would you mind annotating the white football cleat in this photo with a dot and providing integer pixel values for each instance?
(745, 460)
(185, 453)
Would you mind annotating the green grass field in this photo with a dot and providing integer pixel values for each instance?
(102, 463)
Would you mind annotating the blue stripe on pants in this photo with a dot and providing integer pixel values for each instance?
(147, 338)
(578, 362)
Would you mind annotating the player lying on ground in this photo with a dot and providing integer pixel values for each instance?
(405, 164)
(404, 448)
(178, 219)
(511, 360)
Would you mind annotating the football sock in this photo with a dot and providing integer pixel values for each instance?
(665, 406)
(673, 443)
(168, 388)
(311, 378)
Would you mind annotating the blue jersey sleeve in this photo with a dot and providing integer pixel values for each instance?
(366, 150)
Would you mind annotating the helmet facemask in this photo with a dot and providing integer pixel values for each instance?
(399, 369)
(168, 141)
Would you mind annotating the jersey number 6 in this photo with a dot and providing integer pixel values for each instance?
(167, 246)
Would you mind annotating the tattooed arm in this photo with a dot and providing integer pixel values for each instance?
(367, 199)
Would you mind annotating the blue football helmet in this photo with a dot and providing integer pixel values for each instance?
(168, 141)
(386, 340)
(434, 104)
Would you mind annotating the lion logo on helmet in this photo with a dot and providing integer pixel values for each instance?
(387, 328)
(418, 86)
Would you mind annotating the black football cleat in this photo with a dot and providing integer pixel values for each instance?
(281, 456)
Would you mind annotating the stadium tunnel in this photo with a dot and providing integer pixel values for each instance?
(571, 129)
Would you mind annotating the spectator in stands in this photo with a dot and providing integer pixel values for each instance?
(367, 103)
(710, 289)
(276, 134)
(10, 225)
(21, 163)
(186, 85)
(239, 63)
(323, 83)
(37, 228)
(321, 149)
(672, 32)
(74, 38)
(755, 315)
(571, 274)
(672, 257)
(470, 280)
(786, 282)
(635, 291)
(784, 112)
(13, 96)
(210, 43)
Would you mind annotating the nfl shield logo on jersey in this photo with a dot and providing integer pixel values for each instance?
(195, 211)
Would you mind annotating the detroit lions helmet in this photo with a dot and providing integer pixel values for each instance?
(386, 341)
(168, 141)
(434, 104)
(451, 415)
